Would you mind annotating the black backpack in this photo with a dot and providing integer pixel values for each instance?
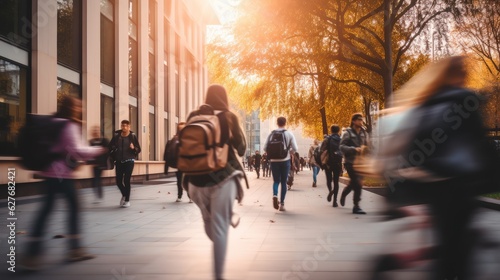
(334, 153)
(276, 145)
(36, 140)
(171, 153)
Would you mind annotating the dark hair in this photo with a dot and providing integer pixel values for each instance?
(70, 108)
(355, 116)
(334, 128)
(281, 121)
(125, 122)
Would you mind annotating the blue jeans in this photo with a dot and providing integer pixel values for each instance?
(280, 175)
(315, 172)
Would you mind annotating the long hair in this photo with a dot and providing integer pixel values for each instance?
(70, 108)
(450, 71)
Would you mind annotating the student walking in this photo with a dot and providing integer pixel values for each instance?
(333, 168)
(312, 161)
(124, 148)
(353, 142)
(257, 160)
(214, 193)
(100, 163)
(60, 178)
(278, 146)
(265, 165)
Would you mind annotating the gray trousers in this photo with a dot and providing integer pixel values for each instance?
(216, 206)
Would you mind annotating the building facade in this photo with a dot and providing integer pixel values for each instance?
(141, 60)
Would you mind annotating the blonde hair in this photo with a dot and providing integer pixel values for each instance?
(450, 71)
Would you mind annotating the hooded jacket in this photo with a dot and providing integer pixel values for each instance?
(217, 98)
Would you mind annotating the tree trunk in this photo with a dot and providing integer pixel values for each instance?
(323, 120)
(387, 70)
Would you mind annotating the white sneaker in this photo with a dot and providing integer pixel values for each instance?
(122, 200)
(126, 204)
(282, 207)
(178, 200)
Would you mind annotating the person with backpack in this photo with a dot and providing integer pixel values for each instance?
(333, 168)
(100, 163)
(124, 148)
(59, 177)
(214, 192)
(170, 158)
(265, 165)
(314, 160)
(353, 142)
(256, 163)
(277, 147)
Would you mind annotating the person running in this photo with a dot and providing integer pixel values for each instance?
(124, 147)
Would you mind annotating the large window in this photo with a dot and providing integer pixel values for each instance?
(15, 22)
(107, 116)
(133, 51)
(67, 88)
(134, 119)
(107, 43)
(152, 79)
(165, 82)
(69, 33)
(13, 98)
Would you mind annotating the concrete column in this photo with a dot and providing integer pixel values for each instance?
(160, 88)
(143, 100)
(122, 99)
(44, 57)
(91, 68)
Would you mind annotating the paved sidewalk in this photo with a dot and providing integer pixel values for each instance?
(157, 238)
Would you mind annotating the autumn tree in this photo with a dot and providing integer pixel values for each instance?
(305, 58)
(478, 29)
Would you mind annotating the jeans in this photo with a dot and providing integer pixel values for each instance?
(333, 174)
(280, 171)
(315, 172)
(123, 175)
(354, 184)
(54, 186)
(96, 181)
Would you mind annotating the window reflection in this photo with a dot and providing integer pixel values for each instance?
(13, 84)
(69, 31)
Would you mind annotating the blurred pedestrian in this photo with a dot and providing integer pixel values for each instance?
(167, 156)
(354, 142)
(312, 161)
(214, 193)
(442, 160)
(100, 163)
(257, 161)
(59, 177)
(280, 167)
(124, 148)
(333, 168)
(265, 165)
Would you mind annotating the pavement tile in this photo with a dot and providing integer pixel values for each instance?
(157, 238)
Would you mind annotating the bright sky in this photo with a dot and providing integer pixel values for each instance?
(226, 11)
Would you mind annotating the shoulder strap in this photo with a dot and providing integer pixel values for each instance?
(224, 127)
